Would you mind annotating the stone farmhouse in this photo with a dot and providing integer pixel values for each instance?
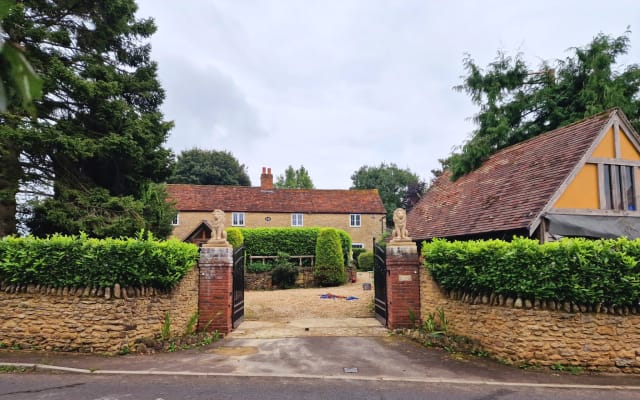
(578, 180)
(358, 212)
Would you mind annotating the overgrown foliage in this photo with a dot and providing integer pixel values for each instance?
(19, 84)
(365, 261)
(329, 268)
(294, 179)
(294, 241)
(589, 272)
(395, 185)
(209, 167)
(518, 102)
(99, 130)
(77, 261)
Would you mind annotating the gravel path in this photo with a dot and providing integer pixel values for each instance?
(293, 304)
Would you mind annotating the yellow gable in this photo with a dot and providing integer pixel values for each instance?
(606, 148)
(627, 150)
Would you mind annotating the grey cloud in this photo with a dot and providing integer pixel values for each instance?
(208, 107)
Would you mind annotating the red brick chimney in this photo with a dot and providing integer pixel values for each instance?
(266, 179)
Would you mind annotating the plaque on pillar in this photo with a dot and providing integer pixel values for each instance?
(218, 234)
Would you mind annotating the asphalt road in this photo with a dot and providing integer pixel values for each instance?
(36, 386)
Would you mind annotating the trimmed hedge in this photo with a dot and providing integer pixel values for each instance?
(365, 261)
(235, 237)
(329, 268)
(78, 261)
(294, 241)
(583, 271)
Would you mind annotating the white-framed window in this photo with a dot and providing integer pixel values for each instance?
(297, 220)
(176, 220)
(355, 221)
(357, 246)
(237, 219)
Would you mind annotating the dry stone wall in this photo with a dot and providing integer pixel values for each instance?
(102, 320)
(522, 332)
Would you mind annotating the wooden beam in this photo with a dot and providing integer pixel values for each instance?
(600, 160)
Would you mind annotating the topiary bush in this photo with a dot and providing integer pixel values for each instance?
(365, 261)
(329, 268)
(235, 237)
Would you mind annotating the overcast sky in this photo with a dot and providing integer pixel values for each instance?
(337, 84)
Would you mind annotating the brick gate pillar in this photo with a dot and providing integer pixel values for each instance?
(403, 279)
(216, 289)
(215, 295)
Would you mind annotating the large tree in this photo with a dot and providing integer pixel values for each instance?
(518, 102)
(97, 142)
(294, 179)
(393, 185)
(209, 167)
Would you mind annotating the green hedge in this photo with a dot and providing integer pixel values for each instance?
(295, 241)
(235, 237)
(365, 261)
(579, 270)
(329, 268)
(78, 261)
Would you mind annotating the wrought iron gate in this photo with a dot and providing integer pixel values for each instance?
(380, 282)
(237, 315)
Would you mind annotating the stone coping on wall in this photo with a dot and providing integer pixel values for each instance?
(497, 300)
(116, 292)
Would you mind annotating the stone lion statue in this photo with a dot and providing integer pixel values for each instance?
(217, 226)
(400, 231)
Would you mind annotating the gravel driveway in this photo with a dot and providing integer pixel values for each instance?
(293, 304)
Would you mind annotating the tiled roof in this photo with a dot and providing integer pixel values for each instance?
(255, 199)
(509, 190)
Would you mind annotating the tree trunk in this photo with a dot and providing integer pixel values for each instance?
(10, 173)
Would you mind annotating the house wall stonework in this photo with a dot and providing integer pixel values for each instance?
(596, 341)
(371, 224)
(104, 321)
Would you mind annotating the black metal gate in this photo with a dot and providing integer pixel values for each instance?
(380, 282)
(238, 287)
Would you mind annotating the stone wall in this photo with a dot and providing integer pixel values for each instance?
(262, 280)
(92, 320)
(528, 333)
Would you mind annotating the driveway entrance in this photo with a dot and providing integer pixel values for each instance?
(311, 312)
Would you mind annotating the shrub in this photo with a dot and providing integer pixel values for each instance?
(584, 271)
(329, 269)
(365, 261)
(345, 243)
(284, 274)
(258, 267)
(80, 261)
(235, 237)
(356, 253)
